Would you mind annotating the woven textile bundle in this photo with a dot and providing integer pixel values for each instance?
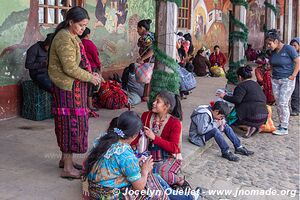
(36, 102)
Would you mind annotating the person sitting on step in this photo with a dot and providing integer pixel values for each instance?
(208, 122)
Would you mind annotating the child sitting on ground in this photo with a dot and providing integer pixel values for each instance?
(207, 122)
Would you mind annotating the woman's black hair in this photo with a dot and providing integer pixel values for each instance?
(222, 107)
(128, 122)
(48, 39)
(75, 14)
(200, 51)
(245, 72)
(216, 46)
(85, 33)
(145, 23)
(188, 37)
(173, 100)
(272, 35)
(180, 34)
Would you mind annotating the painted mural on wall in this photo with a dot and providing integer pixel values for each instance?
(255, 21)
(114, 28)
(210, 24)
(113, 24)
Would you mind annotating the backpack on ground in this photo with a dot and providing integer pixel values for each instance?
(111, 95)
(188, 81)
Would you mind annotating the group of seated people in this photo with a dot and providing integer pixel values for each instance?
(114, 162)
(203, 63)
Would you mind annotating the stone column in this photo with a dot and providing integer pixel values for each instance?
(270, 16)
(166, 28)
(297, 18)
(237, 48)
(288, 20)
(239, 13)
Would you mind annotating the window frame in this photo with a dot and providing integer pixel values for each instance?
(184, 15)
(57, 8)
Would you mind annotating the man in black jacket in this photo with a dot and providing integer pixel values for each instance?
(36, 62)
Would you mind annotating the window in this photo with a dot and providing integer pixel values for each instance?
(52, 12)
(184, 15)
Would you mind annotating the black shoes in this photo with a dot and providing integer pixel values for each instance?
(230, 156)
(243, 151)
(240, 150)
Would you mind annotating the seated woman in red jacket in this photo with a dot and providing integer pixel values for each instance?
(162, 126)
(218, 58)
(93, 57)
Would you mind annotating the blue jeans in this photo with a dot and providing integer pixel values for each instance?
(217, 134)
(171, 196)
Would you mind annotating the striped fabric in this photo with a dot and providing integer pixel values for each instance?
(103, 193)
(71, 113)
(71, 118)
(143, 72)
(168, 170)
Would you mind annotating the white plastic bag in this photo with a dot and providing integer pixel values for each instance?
(142, 145)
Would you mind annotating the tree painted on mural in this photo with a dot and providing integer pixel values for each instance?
(32, 31)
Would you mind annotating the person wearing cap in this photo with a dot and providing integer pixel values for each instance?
(295, 96)
(36, 62)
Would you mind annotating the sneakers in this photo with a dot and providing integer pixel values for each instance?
(230, 156)
(243, 151)
(281, 131)
(293, 113)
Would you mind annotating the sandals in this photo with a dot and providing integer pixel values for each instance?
(68, 175)
(76, 166)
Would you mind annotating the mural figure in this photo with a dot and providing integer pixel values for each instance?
(254, 22)
(199, 26)
(100, 13)
(114, 4)
(121, 15)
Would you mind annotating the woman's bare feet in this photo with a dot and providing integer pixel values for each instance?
(71, 174)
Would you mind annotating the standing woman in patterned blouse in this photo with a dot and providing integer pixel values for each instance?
(145, 51)
(70, 73)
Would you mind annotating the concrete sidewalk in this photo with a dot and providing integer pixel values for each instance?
(29, 152)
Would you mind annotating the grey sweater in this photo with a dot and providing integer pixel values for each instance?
(201, 123)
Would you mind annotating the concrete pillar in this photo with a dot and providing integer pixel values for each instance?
(288, 20)
(239, 13)
(297, 2)
(270, 16)
(281, 26)
(166, 28)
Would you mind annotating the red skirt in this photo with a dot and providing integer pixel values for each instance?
(71, 118)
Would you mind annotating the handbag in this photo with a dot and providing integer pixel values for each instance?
(268, 127)
(169, 169)
(188, 81)
(143, 72)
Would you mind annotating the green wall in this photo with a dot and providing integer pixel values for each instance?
(116, 48)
